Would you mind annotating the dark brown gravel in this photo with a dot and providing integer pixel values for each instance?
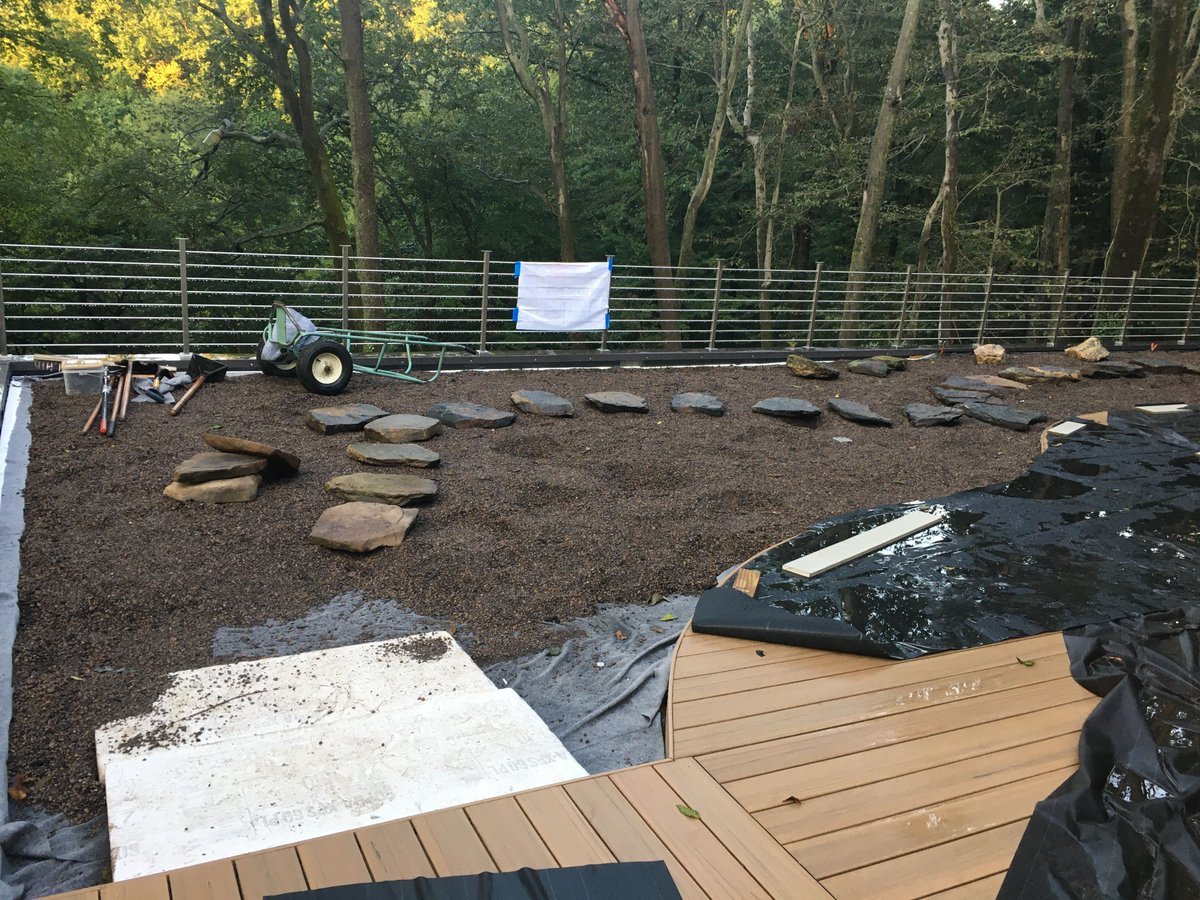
(534, 523)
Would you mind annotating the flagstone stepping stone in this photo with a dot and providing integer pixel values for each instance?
(212, 466)
(787, 408)
(348, 417)
(470, 415)
(803, 367)
(989, 354)
(1040, 374)
(1166, 367)
(542, 403)
(223, 490)
(359, 527)
(402, 429)
(279, 462)
(997, 381)
(983, 384)
(375, 454)
(858, 412)
(382, 487)
(923, 415)
(954, 396)
(1111, 369)
(617, 401)
(1090, 350)
(873, 367)
(698, 402)
(1004, 416)
(895, 363)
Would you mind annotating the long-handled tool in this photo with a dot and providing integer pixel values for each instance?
(202, 369)
(104, 396)
(92, 418)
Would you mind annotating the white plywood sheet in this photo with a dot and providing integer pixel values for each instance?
(201, 706)
(861, 544)
(1164, 408)
(1063, 429)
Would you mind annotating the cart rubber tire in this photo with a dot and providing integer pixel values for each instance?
(285, 367)
(325, 367)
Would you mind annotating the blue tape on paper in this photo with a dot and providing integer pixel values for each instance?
(517, 269)
(607, 322)
(610, 262)
(514, 313)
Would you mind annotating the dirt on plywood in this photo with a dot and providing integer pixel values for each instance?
(533, 524)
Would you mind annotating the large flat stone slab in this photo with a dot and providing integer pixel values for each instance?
(1165, 366)
(359, 527)
(859, 413)
(375, 454)
(470, 415)
(542, 403)
(895, 363)
(924, 415)
(617, 401)
(215, 466)
(1040, 374)
(396, 489)
(402, 429)
(346, 417)
(1004, 416)
(954, 396)
(803, 367)
(280, 462)
(1111, 369)
(876, 368)
(224, 490)
(698, 403)
(986, 384)
(787, 408)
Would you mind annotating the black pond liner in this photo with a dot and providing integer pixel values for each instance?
(611, 881)
(1104, 525)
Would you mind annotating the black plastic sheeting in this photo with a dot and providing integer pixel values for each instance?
(613, 881)
(1127, 824)
(1104, 525)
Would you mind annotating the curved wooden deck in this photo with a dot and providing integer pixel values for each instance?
(815, 774)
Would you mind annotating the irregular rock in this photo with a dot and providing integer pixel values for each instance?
(617, 401)
(401, 429)
(379, 487)
(215, 466)
(1090, 350)
(923, 415)
(989, 354)
(358, 527)
(348, 417)
(470, 415)
(1111, 369)
(1165, 367)
(895, 363)
(978, 385)
(542, 403)
(223, 490)
(787, 408)
(375, 454)
(1004, 416)
(698, 402)
(858, 412)
(953, 396)
(997, 381)
(1040, 374)
(873, 367)
(279, 462)
(803, 367)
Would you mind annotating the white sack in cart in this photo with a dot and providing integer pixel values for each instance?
(296, 323)
(557, 296)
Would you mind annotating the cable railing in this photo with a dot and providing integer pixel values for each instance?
(100, 300)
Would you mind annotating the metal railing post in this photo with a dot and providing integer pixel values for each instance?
(712, 325)
(987, 299)
(812, 315)
(345, 286)
(183, 297)
(484, 297)
(904, 305)
(1187, 325)
(3, 318)
(1128, 308)
(1062, 302)
(604, 333)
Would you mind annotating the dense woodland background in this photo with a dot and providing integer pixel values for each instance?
(1032, 136)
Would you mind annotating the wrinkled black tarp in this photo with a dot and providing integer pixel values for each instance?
(613, 881)
(1127, 824)
(1104, 525)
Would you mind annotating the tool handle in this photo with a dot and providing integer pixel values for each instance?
(92, 418)
(188, 396)
(104, 406)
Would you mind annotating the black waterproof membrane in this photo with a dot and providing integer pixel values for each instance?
(1127, 824)
(612, 881)
(1105, 524)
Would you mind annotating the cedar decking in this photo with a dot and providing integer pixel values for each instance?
(815, 774)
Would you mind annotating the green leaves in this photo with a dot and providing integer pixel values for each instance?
(688, 811)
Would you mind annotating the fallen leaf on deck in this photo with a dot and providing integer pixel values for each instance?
(1025, 662)
(687, 811)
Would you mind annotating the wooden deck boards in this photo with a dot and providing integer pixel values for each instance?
(814, 774)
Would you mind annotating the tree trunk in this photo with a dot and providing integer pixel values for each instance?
(1056, 227)
(628, 22)
(881, 143)
(1138, 206)
(948, 53)
(362, 154)
(1129, 88)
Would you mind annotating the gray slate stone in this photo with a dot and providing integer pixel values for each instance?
(1165, 366)
(279, 462)
(1112, 369)
(375, 454)
(223, 490)
(858, 412)
(803, 367)
(212, 466)
(954, 396)
(1039, 374)
(873, 367)
(959, 383)
(617, 401)
(787, 408)
(895, 363)
(1004, 416)
(542, 403)
(470, 415)
(381, 487)
(403, 428)
(348, 417)
(359, 527)
(923, 415)
(698, 402)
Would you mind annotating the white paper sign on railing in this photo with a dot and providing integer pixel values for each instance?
(559, 296)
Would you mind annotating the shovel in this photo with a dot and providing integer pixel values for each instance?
(202, 369)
